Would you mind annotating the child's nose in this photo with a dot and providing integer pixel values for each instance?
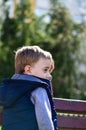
(49, 77)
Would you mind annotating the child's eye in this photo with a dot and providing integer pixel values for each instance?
(46, 69)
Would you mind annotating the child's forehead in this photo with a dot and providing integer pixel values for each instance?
(47, 63)
(44, 59)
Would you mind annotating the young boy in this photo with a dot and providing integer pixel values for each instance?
(27, 96)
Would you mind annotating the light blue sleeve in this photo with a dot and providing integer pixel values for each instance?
(42, 109)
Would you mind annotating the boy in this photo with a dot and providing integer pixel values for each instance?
(26, 97)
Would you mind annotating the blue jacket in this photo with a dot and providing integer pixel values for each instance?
(18, 110)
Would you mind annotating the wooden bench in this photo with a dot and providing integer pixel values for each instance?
(71, 114)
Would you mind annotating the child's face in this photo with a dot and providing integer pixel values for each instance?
(41, 69)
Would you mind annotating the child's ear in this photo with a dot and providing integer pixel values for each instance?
(27, 69)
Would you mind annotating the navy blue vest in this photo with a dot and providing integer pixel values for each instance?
(18, 110)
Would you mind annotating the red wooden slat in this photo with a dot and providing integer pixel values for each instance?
(72, 122)
(67, 105)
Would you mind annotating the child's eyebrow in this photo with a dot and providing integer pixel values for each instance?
(47, 67)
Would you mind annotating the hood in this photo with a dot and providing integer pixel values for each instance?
(13, 89)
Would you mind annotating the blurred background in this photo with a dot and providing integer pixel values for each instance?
(58, 26)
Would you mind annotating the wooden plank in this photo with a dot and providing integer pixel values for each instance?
(72, 122)
(68, 105)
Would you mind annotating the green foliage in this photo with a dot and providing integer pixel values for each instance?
(63, 43)
(61, 36)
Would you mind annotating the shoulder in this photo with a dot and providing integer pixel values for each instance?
(39, 92)
(39, 95)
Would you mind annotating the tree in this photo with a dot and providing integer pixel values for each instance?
(61, 36)
(23, 29)
(65, 38)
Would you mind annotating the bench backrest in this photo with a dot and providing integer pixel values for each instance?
(71, 114)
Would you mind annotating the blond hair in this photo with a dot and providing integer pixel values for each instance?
(29, 55)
